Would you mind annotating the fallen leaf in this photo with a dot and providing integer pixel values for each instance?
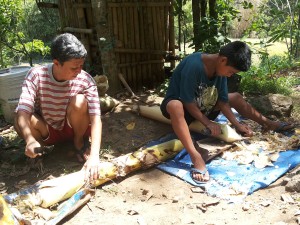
(146, 195)
(287, 198)
(197, 190)
(130, 126)
(132, 212)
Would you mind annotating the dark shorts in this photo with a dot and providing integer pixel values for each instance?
(66, 134)
(187, 116)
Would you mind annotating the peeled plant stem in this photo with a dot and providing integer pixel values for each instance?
(153, 112)
(50, 192)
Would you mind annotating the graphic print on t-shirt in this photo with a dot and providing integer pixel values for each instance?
(206, 97)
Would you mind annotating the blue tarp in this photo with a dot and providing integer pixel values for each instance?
(229, 179)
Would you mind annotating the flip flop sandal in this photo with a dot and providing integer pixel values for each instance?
(282, 127)
(80, 153)
(193, 171)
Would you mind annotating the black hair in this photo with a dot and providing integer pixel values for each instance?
(65, 47)
(238, 55)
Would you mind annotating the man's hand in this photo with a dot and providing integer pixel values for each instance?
(244, 130)
(91, 168)
(30, 149)
(214, 128)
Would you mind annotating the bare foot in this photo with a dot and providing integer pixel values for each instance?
(279, 126)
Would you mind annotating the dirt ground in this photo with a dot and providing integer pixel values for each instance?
(150, 196)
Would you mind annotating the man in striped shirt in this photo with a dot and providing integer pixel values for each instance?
(59, 102)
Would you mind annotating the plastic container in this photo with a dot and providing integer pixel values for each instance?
(11, 80)
(8, 110)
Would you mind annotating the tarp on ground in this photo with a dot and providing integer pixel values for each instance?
(229, 179)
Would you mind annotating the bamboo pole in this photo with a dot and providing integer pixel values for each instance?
(172, 33)
(82, 24)
(155, 67)
(137, 44)
(132, 45)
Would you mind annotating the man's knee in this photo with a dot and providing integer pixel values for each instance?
(175, 108)
(236, 97)
(78, 103)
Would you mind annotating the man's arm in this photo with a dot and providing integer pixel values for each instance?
(226, 110)
(198, 115)
(22, 126)
(96, 133)
(92, 164)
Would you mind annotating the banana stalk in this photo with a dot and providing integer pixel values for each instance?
(153, 112)
(50, 192)
(6, 216)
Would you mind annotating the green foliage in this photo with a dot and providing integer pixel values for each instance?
(214, 30)
(41, 25)
(23, 31)
(277, 21)
(33, 49)
(184, 22)
(211, 43)
(10, 14)
(162, 88)
(263, 79)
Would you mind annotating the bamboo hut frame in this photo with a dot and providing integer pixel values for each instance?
(131, 37)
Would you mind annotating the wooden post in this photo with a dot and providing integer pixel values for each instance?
(106, 44)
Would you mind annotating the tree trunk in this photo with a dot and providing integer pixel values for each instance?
(196, 23)
(213, 14)
(203, 7)
(106, 44)
(179, 26)
(297, 49)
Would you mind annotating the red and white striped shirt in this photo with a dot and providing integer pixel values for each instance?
(42, 94)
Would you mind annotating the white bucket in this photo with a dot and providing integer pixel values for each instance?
(11, 81)
(8, 110)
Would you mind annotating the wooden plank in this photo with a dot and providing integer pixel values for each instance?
(148, 62)
(211, 147)
(78, 30)
(81, 5)
(136, 51)
(47, 5)
(139, 4)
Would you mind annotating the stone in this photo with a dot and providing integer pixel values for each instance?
(273, 105)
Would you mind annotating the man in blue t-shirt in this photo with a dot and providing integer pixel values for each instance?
(198, 91)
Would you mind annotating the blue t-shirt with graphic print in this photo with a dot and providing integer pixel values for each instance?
(189, 83)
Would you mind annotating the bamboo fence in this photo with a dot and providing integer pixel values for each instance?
(138, 35)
